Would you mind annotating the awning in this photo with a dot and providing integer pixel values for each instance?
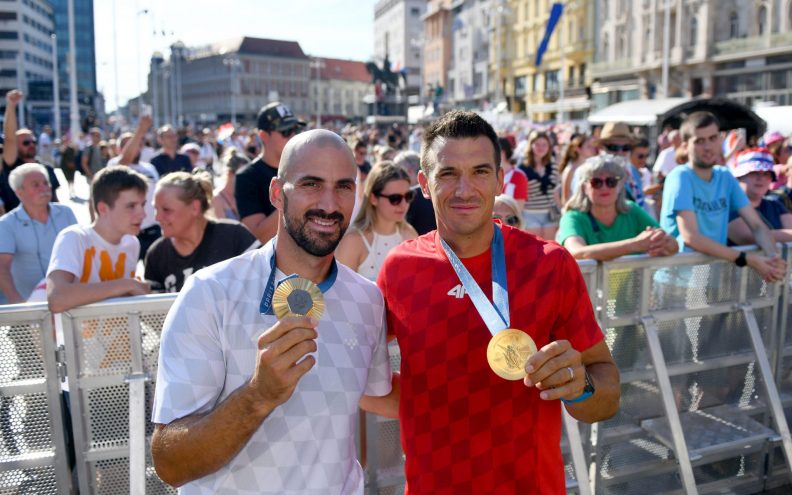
(635, 112)
(567, 105)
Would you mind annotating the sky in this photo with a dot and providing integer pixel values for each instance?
(125, 30)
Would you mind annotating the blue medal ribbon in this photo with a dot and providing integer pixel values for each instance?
(265, 306)
(495, 317)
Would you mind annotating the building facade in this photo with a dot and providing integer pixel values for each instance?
(437, 45)
(85, 58)
(27, 57)
(229, 80)
(468, 73)
(338, 88)
(398, 34)
(536, 90)
(741, 49)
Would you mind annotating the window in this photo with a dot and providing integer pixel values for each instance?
(761, 20)
(415, 12)
(734, 25)
(693, 31)
(9, 35)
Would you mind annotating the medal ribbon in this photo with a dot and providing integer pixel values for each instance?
(495, 317)
(265, 306)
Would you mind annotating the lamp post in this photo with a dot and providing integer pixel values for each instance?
(56, 118)
(74, 110)
(318, 64)
(139, 76)
(233, 63)
(156, 61)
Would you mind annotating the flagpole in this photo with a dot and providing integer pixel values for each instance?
(666, 42)
(561, 31)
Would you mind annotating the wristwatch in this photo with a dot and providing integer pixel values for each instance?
(741, 260)
(588, 391)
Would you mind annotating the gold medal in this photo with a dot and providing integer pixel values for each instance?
(508, 351)
(298, 297)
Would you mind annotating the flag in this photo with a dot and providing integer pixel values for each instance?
(225, 131)
(555, 15)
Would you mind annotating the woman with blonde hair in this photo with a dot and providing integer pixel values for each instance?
(223, 202)
(379, 225)
(541, 209)
(191, 239)
(580, 148)
(508, 211)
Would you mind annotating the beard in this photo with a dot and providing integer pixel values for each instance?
(702, 164)
(317, 244)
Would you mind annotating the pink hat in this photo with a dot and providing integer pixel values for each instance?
(771, 137)
(754, 160)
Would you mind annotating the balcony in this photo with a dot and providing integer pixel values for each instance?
(777, 42)
(740, 45)
(614, 66)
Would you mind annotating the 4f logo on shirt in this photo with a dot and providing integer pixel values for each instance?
(458, 291)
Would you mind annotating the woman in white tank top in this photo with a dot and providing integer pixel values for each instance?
(379, 225)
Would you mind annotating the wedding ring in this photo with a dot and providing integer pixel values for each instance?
(571, 374)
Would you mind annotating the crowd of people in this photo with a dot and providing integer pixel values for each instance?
(424, 207)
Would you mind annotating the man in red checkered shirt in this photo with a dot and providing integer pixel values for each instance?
(465, 429)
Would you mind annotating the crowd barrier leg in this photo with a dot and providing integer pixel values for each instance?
(576, 451)
(774, 399)
(667, 395)
(137, 409)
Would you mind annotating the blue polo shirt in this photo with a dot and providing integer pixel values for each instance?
(30, 242)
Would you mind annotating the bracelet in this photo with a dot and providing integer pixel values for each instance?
(585, 395)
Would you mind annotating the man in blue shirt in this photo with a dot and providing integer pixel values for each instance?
(698, 197)
(27, 233)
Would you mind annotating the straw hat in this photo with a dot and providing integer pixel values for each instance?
(615, 130)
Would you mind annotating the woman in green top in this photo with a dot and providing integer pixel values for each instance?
(599, 223)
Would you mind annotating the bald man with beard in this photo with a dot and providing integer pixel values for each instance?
(271, 404)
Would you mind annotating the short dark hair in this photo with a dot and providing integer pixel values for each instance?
(506, 147)
(110, 182)
(641, 142)
(697, 120)
(457, 124)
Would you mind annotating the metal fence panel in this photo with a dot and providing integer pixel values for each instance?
(33, 455)
(102, 341)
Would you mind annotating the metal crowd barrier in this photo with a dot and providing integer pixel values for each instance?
(704, 349)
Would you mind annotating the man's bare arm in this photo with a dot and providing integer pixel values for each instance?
(264, 227)
(7, 280)
(10, 127)
(220, 434)
(64, 291)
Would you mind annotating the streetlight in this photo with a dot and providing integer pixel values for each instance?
(500, 10)
(137, 23)
(156, 61)
(177, 52)
(55, 87)
(233, 63)
(318, 64)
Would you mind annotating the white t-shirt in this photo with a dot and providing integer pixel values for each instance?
(209, 350)
(665, 163)
(79, 250)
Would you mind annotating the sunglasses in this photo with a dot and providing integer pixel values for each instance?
(611, 182)
(28, 142)
(396, 199)
(641, 156)
(287, 133)
(616, 148)
(511, 220)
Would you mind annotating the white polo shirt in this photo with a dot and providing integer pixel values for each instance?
(209, 349)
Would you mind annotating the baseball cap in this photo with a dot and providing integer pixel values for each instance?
(277, 117)
(754, 160)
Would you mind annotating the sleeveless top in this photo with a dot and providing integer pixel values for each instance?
(377, 251)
